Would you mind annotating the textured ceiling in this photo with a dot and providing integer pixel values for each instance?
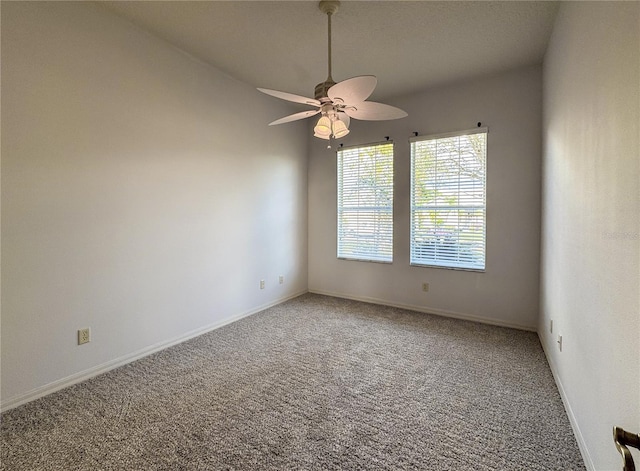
(408, 45)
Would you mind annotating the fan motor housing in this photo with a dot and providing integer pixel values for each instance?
(323, 88)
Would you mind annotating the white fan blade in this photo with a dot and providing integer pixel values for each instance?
(372, 111)
(291, 97)
(294, 117)
(353, 91)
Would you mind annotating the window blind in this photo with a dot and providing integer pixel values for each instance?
(448, 194)
(365, 203)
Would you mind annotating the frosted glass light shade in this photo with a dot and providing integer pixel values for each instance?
(339, 129)
(323, 128)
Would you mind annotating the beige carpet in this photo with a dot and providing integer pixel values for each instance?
(314, 383)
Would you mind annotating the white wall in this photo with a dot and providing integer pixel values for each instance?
(143, 195)
(507, 293)
(591, 226)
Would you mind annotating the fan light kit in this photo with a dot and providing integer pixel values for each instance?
(338, 102)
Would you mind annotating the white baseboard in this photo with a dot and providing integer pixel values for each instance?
(584, 451)
(123, 360)
(428, 310)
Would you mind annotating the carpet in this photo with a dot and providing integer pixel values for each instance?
(314, 383)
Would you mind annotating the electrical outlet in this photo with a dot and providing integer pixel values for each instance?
(281, 279)
(425, 287)
(560, 342)
(261, 284)
(84, 336)
(551, 326)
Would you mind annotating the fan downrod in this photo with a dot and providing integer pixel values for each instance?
(328, 7)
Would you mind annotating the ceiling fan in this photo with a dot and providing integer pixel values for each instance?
(338, 102)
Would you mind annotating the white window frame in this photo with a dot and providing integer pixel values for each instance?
(448, 234)
(365, 202)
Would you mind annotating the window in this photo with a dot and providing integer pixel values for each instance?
(365, 203)
(448, 192)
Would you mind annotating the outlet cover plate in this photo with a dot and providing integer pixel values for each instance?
(84, 336)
